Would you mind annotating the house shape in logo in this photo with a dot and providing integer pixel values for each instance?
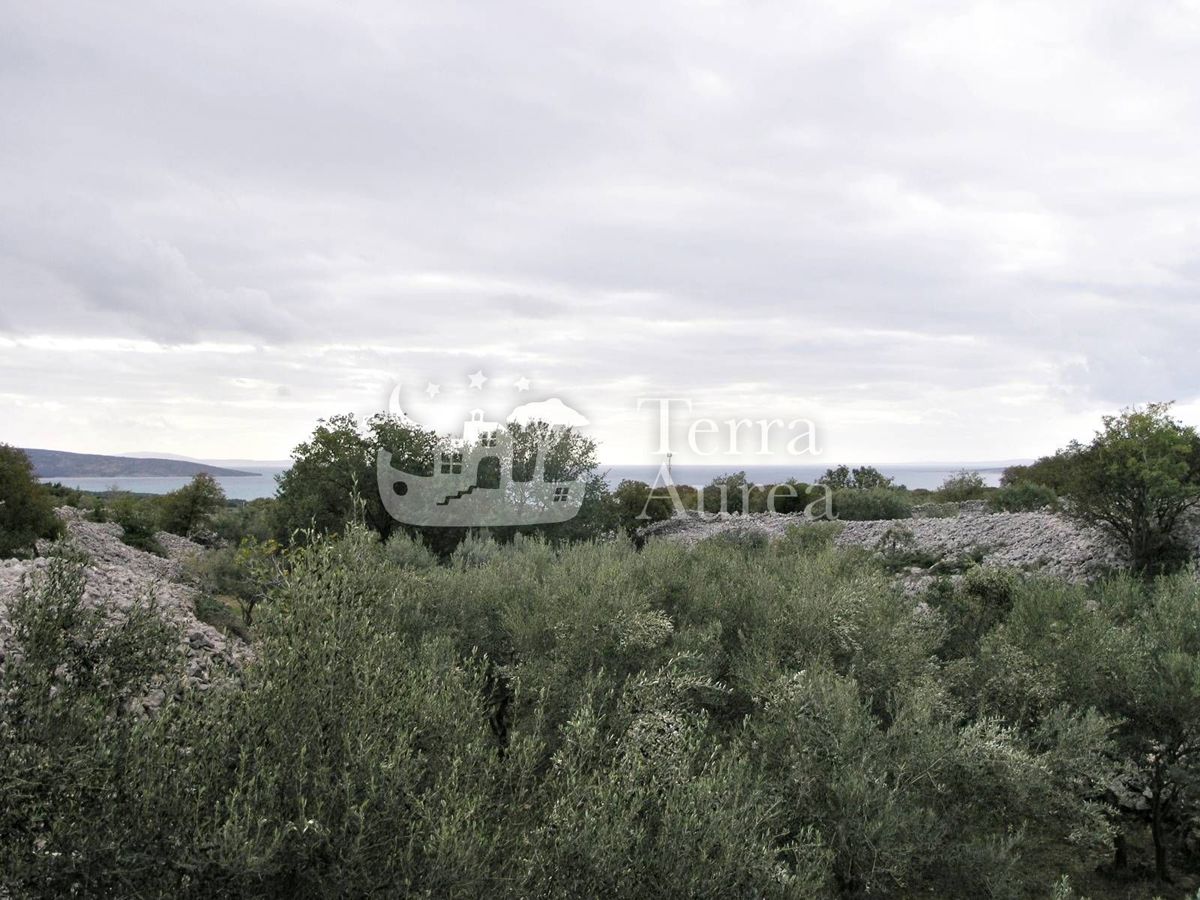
(473, 485)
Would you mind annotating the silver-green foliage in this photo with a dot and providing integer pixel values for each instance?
(588, 721)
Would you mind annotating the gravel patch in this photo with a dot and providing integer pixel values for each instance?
(1033, 541)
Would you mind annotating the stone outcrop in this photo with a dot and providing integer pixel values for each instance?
(1033, 541)
(117, 575)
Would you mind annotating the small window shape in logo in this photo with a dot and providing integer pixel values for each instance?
(561, 494)
(452, 463)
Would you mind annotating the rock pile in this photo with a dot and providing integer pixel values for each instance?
(1033, 541)
(117, 575)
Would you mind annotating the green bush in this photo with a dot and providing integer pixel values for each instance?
(215, 572)
(1135, 480)
(730, 493)
(242, 519)
(409, 553)
(897, 549)
(934, 510)
(856, 505)
(98, 510)
(137, 518)
(864, 478)
(962, 486)
(61, 495)
(192, 507)
(1131, 651)
(1023, 496)
(475, 550)
(981, 601)
(811, 537)
(26, 509)
(780, 496)
(637, 508)
(743, 538)
(333, 480)
(532, 720)
(69, 823)
(241, 576)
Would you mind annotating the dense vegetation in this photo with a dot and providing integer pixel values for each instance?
(1136, 480)
(589, 720)
(333, 481)
(26, 507)
(449, 713)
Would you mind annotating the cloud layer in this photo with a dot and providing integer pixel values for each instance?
(944, 231)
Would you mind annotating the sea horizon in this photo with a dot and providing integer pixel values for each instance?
(262, 483)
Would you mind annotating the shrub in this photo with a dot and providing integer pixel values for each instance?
(864, 478)
(728, 493)
(748, 539)
(244, 575)
(811, 537)
(898, 549)
(782, 497)
(1023, 496)
(222, 613)
(333, 480)
(962, 486)
(137, 518)
(981, 601)
(1130, 650)
(588, 720)
(61, 495)
(252, 518)
(26, 511)
(1054, 472)
(477, 549)
(192, 507)
(873, 504)
(408, 552)
(68, 813)
(97, 510)
(936, 510)
(215, 572)
(636, 507)
(1135, 481)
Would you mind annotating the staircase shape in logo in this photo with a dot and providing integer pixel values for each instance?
(445, 501)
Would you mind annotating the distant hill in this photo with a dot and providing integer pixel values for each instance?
(60, 464)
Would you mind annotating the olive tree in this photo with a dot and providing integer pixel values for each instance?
(26, 511)
(332, 480)
(192, 506)
(1135, 480)
(863, 478)
(965, 484)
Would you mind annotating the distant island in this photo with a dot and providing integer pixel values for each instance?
(60, 464)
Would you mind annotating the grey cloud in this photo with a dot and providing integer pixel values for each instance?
(856, 187)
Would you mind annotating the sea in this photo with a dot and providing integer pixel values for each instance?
(262, 483)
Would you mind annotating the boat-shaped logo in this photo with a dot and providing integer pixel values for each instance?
(473, 483)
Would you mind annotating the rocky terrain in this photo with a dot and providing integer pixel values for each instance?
(117, 575)
(1033, 541)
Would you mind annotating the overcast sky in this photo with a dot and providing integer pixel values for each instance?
(941, 231)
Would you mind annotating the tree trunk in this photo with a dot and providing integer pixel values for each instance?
(1156, 825)
(1120, 851)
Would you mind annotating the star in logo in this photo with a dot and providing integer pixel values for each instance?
(478, 379)
(522, 383)
(432, 390)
